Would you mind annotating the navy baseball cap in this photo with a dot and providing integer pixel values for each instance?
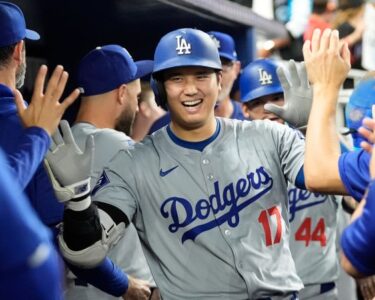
(13, 25)
(225, 44)
(106, 68)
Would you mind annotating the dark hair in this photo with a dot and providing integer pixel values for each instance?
(319, 6)
(5, 54)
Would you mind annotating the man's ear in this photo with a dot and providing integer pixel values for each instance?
(17, 53)
(219, 76)
(237, 67)
(121, 93)
(245, 111)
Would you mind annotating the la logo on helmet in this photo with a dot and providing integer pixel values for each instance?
(264, 77)
(183, 47)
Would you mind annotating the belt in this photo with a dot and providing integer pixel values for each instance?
(326, 287)
(293, 296)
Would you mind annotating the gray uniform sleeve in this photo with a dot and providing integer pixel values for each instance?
(290, 146)
(116, 185)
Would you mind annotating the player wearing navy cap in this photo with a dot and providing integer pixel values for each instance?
(110, 83)
(37, 187)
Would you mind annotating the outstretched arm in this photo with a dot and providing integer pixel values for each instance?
(327, 62)
(89, 231)
(40, 118)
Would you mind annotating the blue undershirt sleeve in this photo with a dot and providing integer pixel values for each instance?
(358, 239)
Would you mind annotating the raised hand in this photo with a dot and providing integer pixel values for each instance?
(327, 59)
(68, 167)
(45, 110)
(297, 95)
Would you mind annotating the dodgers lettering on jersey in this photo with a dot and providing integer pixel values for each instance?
(232, 197)
(302, 199)
(313, 222)
(220, 211)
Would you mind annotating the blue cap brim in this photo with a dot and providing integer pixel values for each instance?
(32, 35)
(144, 67)
(227, 56)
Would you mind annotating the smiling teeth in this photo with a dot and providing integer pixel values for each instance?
(191, 103)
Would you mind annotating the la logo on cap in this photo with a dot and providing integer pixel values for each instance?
(216, 41)
(183, 47)
(264, 77)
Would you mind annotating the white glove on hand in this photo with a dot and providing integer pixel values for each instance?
(297, 95)
(68, 167)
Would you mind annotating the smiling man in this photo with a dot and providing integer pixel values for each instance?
(207, 195)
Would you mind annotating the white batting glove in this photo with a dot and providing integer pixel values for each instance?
(69, 168)
(297, 95)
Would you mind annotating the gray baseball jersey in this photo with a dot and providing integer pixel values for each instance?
(313, 223)
(213, 223)
(127, 253)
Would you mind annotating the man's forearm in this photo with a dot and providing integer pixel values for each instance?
(322, 143)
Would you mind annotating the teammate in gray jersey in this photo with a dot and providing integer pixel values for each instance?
(208, 196)
(110, 91)
(312, 216)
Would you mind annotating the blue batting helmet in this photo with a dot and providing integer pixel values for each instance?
(360, 106)
(183, 48)
(259, 79)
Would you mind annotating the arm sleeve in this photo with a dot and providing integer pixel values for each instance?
(358, 239)
(107, 277)
(354, 172)
(26, 250)
(31, 149)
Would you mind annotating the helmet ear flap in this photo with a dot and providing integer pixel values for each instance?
(160, 93)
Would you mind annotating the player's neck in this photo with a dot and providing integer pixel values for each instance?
(224, 109)
(8, 78)
(200, 133)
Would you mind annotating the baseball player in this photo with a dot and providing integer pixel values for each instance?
(225, 106)
(358, 239)
(231, 67)
(30, 267)
(359, 106)
(37, 186)
(207, 195)
(110, 90)
(312, 216)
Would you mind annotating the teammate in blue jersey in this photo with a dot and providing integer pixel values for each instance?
(207, 195)
(37, 186)
(358, 240)
(29, 267)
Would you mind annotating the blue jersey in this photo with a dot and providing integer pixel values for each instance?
(39, 189)
(358, 239)
(25, 149)
(29, 267)
(354, 172)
